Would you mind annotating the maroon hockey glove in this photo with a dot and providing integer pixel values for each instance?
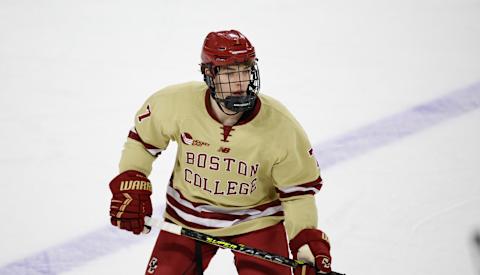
(130, 203)
(318, 251)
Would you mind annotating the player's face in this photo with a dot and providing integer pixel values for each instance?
(232, 80)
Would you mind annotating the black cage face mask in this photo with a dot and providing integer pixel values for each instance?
(236, 83)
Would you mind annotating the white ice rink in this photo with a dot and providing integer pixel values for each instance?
(388, 92)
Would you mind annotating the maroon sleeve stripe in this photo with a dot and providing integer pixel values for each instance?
(312, 183)
(153, 150)
(309, 188)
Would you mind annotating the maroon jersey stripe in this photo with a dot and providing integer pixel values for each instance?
(205, 215)
(299, 193)
(261, 207)
(172, 213)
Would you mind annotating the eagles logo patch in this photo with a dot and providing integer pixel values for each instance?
(188, 140)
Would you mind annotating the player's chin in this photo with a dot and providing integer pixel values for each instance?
(238, 93)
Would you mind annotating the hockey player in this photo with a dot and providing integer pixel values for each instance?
(244, 169)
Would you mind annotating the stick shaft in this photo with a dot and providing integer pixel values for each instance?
(216, 241)
(223, 243)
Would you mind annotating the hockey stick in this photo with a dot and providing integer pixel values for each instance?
(264, 255)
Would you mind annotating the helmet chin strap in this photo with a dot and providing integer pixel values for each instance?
(237, 104)
(221, 108)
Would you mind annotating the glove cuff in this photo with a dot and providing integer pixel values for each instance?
(306, 236)
(131, 180)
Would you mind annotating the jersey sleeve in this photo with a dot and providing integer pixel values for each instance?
(297, 179)
(149, 136)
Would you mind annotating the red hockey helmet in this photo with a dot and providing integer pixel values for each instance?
(226, 48)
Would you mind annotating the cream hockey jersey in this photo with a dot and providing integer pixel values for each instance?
(227, 180)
